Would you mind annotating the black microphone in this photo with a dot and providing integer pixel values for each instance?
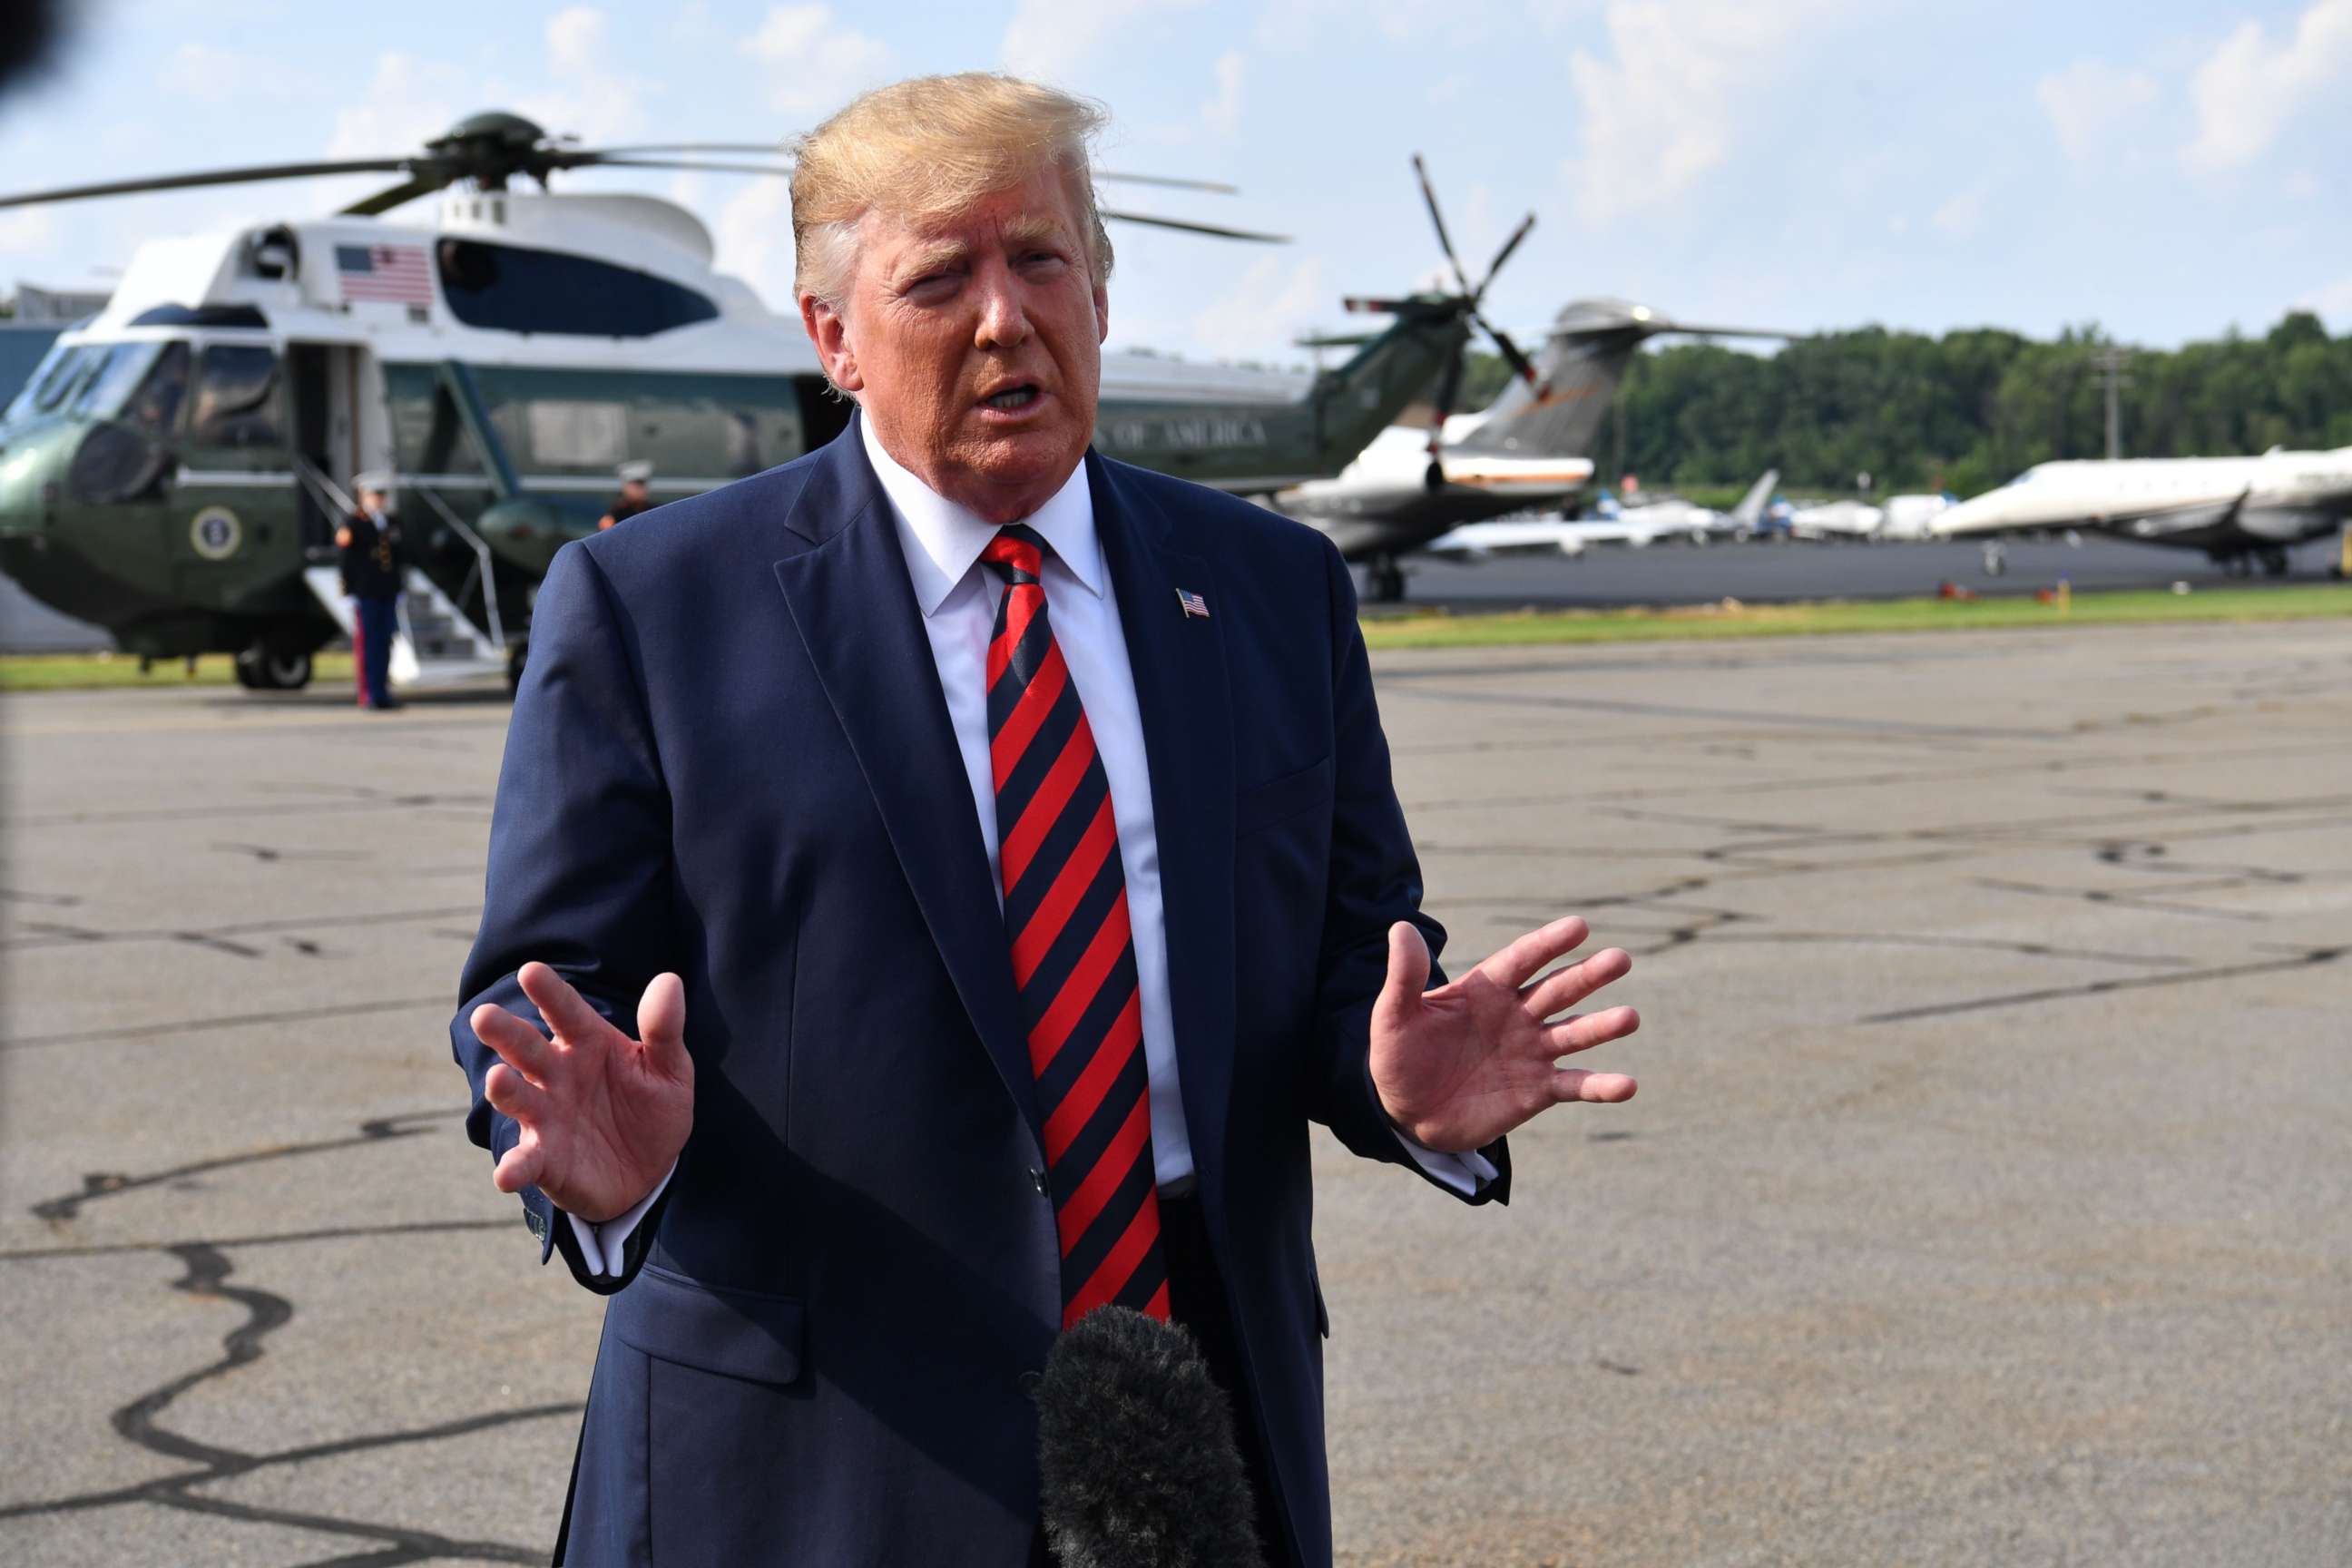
(1137, 1465)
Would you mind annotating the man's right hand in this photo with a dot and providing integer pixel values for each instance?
(602, 1116)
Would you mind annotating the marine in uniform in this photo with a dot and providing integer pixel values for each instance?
(369, 544)
(634, 497)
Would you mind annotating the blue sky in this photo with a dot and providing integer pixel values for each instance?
(2166, 169)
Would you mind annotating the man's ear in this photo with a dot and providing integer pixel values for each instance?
(1102, 311)
(829, 332)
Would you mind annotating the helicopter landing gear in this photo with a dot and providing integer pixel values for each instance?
(263, 668)
(1996, 560)
(1385, 580)
(2273, 562)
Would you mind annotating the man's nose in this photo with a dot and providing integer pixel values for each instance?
(1003, 323)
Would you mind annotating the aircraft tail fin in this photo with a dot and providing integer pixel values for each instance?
(1560, 415)
(1750, 509)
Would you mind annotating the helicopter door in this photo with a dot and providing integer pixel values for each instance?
(341, 428)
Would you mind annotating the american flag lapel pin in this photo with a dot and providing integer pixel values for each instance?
(1192, 604)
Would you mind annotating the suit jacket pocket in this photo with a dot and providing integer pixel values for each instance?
(745, 1334)
(1262, 805)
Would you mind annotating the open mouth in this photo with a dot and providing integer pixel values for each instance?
(1013, 399)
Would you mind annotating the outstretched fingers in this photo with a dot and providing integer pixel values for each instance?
(1592, 1088)
(1587, 1030)
(1519, 961)
(518, 1044)
(515, 1094)
(522, 1165)
(567, 1012)
(1564, 988)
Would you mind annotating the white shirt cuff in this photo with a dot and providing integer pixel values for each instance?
(1464, 1173)
(601, 1245)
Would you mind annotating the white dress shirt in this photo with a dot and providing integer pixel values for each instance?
(958, 596)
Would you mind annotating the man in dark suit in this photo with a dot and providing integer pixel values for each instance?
(998, 848)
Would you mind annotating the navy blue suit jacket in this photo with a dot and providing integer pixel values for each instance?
(729, 758)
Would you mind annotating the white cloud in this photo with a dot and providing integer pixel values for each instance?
(1963, 215)
(813, 61)
(593, 94)
(1051, 38)
(212, 75)
(2332, 301)
(753, 240)
(405, 103)
(1664, 107)
(2090, 104)
(1270, 306)
(26, 229)
(1223, 113)
(2249, 87)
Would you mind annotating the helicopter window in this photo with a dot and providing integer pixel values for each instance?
(52, 381)
(155, 406)
(565, 434)
(236, 388)
(427, 437)
(116, 370)
(512, 290)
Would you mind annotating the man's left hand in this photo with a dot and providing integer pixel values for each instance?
(1461, 1066)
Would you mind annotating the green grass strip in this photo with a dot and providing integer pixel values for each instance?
(101, 671)
(2306, 602)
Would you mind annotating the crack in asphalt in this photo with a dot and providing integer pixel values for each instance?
(100, 1184)
(208, 1268)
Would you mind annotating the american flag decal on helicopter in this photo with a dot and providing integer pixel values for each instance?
(394, 274)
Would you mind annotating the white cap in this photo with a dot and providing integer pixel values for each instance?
(635, 472)
(374, 480)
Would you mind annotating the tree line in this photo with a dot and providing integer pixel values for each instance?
(1962, 412)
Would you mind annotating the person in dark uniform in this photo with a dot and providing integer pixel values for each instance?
(368, 543)
(634, 495)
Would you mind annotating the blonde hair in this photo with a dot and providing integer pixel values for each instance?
(930, 147)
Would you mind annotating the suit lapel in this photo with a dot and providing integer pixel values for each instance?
(1180, 691)
(854, 607)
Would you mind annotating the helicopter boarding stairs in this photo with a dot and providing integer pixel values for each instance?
(437, 646)
(437, 643)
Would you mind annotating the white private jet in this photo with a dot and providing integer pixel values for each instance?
(2240, 511)
(1635, 527)
(1902, 517)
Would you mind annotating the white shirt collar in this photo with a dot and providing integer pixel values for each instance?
(942, 540)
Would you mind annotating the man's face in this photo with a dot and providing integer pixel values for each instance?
(371, 501)
(974, 344)
(633, 489)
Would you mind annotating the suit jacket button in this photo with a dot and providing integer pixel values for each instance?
(1037, 1180)
(1029, 1380)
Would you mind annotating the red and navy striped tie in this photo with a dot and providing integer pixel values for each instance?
(1073, 953)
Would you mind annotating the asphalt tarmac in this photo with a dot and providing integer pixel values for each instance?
(1985, 1201)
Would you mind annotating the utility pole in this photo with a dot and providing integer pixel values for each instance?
(2112, 362)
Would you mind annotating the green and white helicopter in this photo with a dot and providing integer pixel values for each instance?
(174, 467)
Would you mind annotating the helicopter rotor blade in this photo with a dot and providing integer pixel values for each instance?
(1216, 231)
(217, 177)
(1445, 240)
(1168, 181)
(1521, 366)
(774, 149)
(383, 201)
(1526, 225)
(700, 165)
